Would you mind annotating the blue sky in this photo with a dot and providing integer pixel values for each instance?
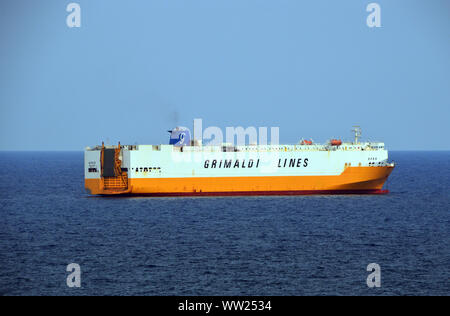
(138, 68)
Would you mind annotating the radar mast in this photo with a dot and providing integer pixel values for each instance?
(357, 130)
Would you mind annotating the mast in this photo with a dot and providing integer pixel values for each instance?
(357, 130)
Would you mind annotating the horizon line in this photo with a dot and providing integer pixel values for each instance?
(73, 150)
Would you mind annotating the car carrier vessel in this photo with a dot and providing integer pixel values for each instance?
(183, 168)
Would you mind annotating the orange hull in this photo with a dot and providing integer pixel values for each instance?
(352, 180)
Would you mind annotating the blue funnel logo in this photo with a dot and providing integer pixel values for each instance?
(180, 136)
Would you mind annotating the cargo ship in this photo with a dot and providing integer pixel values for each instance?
(188, 168)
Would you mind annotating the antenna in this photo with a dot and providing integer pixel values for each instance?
(358, 132)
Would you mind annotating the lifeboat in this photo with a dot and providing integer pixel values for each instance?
(306, 142)
(336, 142)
